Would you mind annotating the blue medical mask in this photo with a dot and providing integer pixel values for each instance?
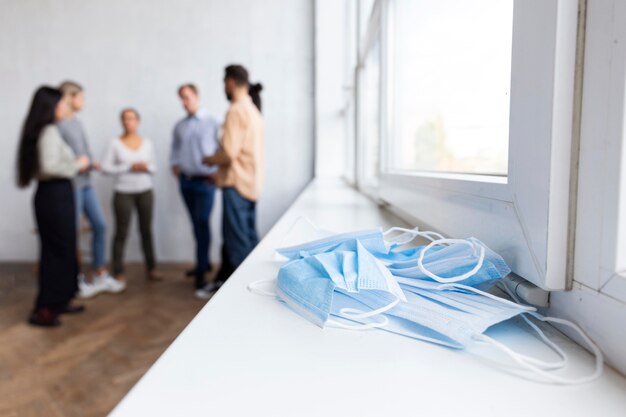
(470, 314)
(308, 285)
(398, 325)
(439, 298)
(463, 260)
(457, 318)
(371, 239)
(469, 262)
(333, 283)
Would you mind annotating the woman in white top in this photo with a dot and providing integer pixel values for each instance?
(131, 159)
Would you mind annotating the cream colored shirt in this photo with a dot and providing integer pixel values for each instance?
(56, 158)
(243, 143)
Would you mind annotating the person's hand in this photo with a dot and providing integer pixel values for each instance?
(95, 165)
(176, 170)
(139, 167)
(211, 179)
(83, 163)
(208, 160)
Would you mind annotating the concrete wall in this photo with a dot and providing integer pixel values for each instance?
(136, 54)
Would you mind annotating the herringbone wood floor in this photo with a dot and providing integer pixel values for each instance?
(85, 367)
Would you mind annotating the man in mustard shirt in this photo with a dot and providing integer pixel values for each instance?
(240, 172)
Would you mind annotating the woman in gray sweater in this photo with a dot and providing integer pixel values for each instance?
(45, 157)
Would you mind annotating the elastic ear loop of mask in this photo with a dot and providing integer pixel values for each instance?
(545, 365)
(479, 263)
(413, 233)
(521, 360)
(405, 231)
(532, 311)
(529, 309)
(524, 360)
(356, 314)
(542, 335)
(253, 287)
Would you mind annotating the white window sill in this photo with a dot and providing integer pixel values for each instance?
(246, 354)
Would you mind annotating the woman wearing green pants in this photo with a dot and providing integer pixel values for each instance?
(131, 159)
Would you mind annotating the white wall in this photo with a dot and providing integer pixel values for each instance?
(136, 53)
(334, 56)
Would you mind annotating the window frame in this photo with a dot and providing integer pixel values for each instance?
(525, 214)
(373, 33)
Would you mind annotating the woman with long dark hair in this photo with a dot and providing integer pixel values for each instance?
(44, 156)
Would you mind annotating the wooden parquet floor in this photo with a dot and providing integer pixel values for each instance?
(84, 367)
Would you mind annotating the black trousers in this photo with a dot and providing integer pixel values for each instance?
(55, 212)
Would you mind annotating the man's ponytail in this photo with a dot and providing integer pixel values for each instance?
(255, 93)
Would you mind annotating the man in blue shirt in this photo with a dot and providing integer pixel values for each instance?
(196, 137)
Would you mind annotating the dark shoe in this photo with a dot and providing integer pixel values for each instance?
(200, 281)
(44, 317)
(154, 275)
(208, 290)
(73, 309)
(223, 274)
(192, 272)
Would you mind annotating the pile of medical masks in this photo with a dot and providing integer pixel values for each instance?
(436, 293)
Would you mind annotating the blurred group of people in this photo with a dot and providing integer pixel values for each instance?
(204, 155)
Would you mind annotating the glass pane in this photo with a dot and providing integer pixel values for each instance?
(451, 79)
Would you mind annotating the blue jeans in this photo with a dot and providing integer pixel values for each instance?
(238, 230)
(199, 195)
(87, 203)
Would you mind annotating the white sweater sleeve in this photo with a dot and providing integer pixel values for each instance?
(56, 159)
(111, 164)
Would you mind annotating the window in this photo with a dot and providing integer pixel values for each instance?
(463, 127)
(451, 84)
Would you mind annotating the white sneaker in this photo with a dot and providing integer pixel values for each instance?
(85, 289)
(106, 282)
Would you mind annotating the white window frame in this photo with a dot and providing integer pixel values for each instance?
(373, 33)
(523, 216)
(597, 300)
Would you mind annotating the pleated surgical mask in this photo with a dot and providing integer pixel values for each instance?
(458, 322)
(377, 242)
(466, 261)
(435, 293)
(308, 286)
(371, 239)
(443, 260)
